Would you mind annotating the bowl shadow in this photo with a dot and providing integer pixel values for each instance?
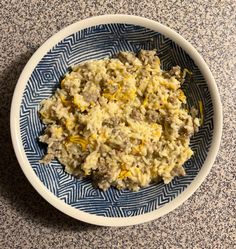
(14, 187)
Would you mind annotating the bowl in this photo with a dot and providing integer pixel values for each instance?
(96, 38)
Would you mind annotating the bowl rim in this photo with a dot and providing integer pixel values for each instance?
(15, 124)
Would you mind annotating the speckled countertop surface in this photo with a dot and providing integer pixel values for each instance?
(208, 218)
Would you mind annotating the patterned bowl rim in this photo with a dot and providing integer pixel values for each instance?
(15, 117)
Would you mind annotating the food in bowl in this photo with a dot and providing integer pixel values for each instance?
(121, 121)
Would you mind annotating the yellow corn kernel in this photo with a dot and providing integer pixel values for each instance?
(181, 96)
(58, 132)
(77, 104)
(94, 136)
(164, 99)
(87, 172)
(128, 95)
(135, 150)
(138, 171)
(92, 104)
(43, 115)
(124, 174)
(69, 124)
(145, 101)
(109, 96)
(64, 101)
(156, 129)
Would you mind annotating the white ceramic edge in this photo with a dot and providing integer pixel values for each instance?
(15, 127)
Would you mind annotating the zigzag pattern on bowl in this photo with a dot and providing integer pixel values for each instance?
(95, 43)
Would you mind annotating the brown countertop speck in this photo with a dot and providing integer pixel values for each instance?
(208, 218)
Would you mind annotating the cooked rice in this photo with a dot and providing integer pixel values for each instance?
(120, 121)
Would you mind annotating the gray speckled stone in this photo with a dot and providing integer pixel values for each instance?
(207, 219)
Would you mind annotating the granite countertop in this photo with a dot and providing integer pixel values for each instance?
(208, 218)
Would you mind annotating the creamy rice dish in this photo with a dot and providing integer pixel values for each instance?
(121, 121)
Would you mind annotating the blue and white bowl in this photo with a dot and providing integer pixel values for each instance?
(96, 38)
